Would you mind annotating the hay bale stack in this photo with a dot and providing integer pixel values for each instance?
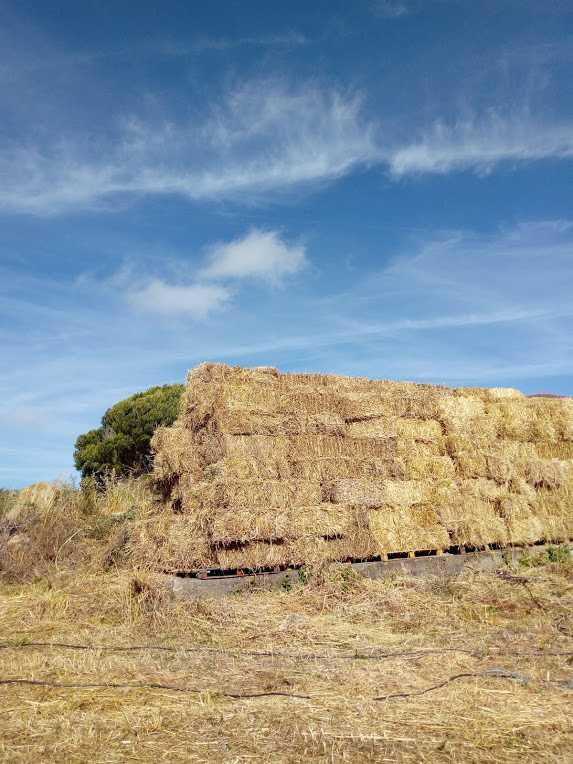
(264, 469)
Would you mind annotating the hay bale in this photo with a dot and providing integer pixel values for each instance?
(499, 468)
(271, 494)
(562, 450)
(170, 542)
(523, 525)
(373, 494)
(251, 525)
(458, 412)
(404, 529)
(317, 550)
(481, 488)
(553, 508)
(259, 554)
(265, 469)
(429, 468)
(472, 521)
(544, 473)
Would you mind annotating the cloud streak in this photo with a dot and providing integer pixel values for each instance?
(264, 138)
(263, 141)
(481, 144)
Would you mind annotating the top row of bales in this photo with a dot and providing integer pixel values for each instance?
(265, 469)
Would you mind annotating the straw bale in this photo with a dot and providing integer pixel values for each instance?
(553, 508)
(427, 432)
(395, 399)
(458, 413)
(519, 486)
(257, 555)
(410, 449)
(547, 419)
(515, 419)
(562, 450)
(499, 468)
(523, 526)
(481, 488)
(255, 524)
(404, 492)
(371, 427)
(266, 469)
(473, 521)
(544, 473)
(414, 401)
(318, 469)
(175, 455)
(249, 397)
(518, 453)
(403, 529)
(470, 442)
(242, 525)
(315, 550)
(367, 493)
(365, 405)
(429, 467)
(248, 468)
(313, 403)
(308, 446)
(470, 463)
(331, 468)
(488, 394)
(364, 492)
(249, 493)
(169, 542)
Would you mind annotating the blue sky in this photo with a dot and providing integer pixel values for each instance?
(380, 188)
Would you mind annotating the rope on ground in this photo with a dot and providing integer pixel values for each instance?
(380, 656)
(493, 673)
(497, 673)
(147, 686)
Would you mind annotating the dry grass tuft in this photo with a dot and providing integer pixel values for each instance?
(313, 659)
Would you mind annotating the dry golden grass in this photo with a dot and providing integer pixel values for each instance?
(340, 640)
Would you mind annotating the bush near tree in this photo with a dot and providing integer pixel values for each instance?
(122, 444)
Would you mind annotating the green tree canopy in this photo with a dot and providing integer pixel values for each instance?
(122, 443)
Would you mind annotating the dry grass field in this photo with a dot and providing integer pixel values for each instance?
(98, 664)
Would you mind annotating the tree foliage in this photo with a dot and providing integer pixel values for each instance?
(122, 443)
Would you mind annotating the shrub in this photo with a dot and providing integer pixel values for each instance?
(555, 554)
(122, 444)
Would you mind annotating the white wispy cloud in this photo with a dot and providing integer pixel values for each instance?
(262, 138)
(262, 255)
(259, 254)
(482, 143)
(196, 300)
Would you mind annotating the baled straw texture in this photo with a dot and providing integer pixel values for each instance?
(264, 469)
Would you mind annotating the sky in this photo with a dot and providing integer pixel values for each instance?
(379, 188)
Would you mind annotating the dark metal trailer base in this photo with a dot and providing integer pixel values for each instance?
(197, 584)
